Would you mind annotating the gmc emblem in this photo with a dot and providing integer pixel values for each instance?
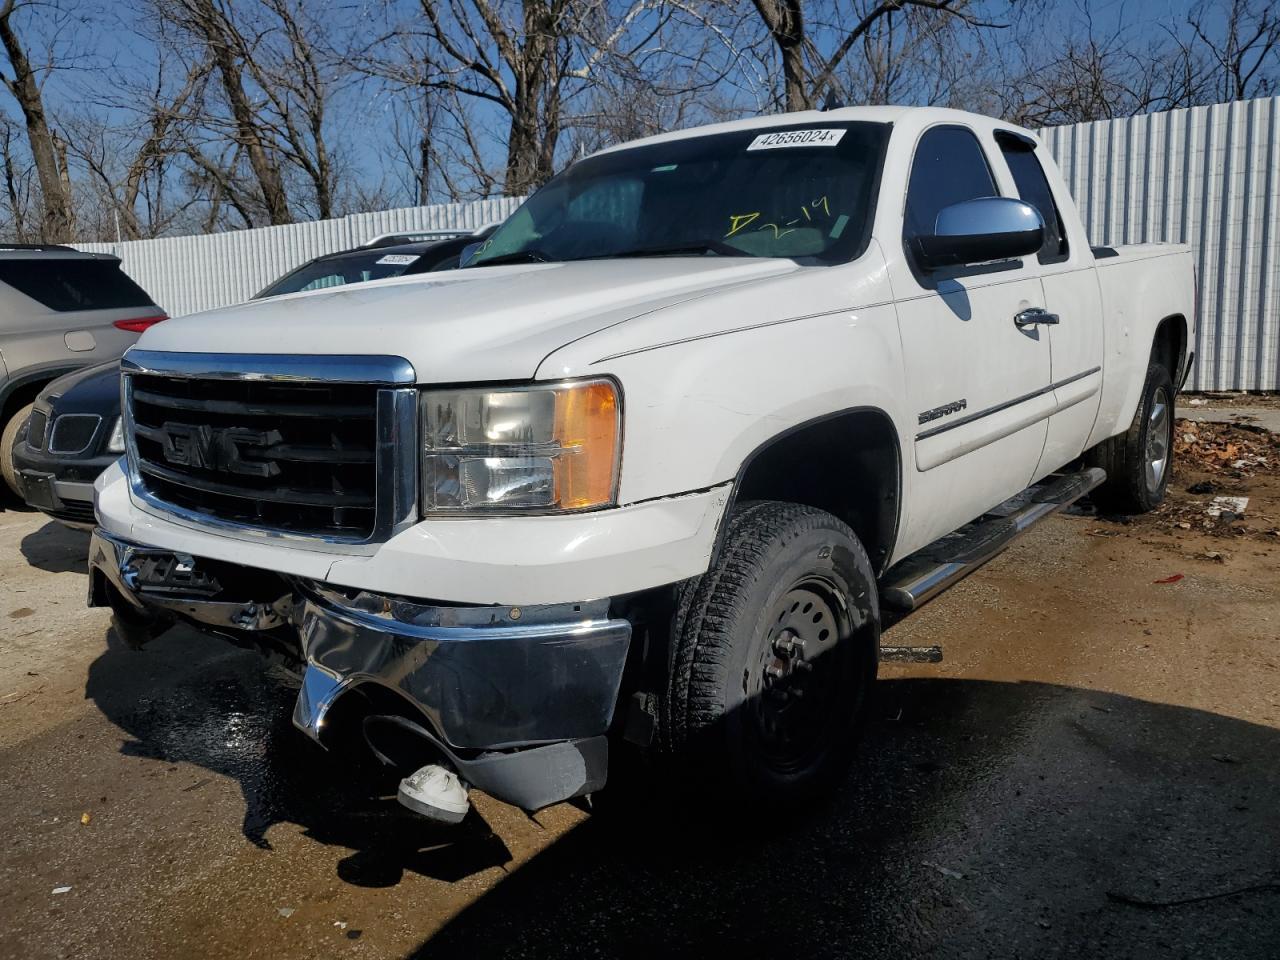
(220, 449)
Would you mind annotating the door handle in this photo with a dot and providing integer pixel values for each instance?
(1034, 315)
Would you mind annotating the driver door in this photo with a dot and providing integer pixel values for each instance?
(978, 384)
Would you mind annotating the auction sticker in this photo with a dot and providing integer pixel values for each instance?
(828, 137)
(402, 259)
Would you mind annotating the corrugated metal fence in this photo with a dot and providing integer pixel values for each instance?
(1208, 176)
(186, 274)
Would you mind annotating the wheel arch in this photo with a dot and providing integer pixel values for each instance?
(1169, 347)
(23, 389)
(848, 463)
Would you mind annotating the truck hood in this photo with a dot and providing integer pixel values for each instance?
(490, 323)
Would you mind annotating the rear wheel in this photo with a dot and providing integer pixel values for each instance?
(776, 648)
(1139, 462)
(9, 434)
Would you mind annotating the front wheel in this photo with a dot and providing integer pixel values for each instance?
(1139, 462)
(9, 433)
(776, 648)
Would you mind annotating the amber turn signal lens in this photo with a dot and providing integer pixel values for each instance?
(587, 428)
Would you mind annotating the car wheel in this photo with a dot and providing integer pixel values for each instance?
(775, 650)
(14, 428)
(1139, 462)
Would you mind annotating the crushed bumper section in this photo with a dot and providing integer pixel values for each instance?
(518, 699)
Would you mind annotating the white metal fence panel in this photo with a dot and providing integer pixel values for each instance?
(1210, 177)
(1207, 176)
(189, 274)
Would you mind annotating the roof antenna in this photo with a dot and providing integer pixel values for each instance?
(833, 101)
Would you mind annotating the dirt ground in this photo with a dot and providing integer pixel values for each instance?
(1094, 769)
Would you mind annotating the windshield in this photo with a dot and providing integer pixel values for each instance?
(804, 192)
(356, 267)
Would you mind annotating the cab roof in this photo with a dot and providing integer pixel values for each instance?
(887, 114)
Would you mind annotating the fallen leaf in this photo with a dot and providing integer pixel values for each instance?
(1171, 579)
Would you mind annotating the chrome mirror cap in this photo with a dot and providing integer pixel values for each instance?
(980, 231)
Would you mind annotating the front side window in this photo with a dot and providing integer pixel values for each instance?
(803, 193)
(949, 167)
(1033, 188)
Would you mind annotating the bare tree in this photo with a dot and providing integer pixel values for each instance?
(1241, 50)
(291, 76)
(23, 83)
(17, 180)
(130, 163)
(806, 71)
(525, 60)
(519, 63)
(212, 25)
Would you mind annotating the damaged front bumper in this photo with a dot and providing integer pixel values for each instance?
(518, 699)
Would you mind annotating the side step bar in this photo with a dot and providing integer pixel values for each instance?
(912, 582)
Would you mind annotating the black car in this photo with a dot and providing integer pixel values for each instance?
(73, 435)
(74, 432)
(392, 256)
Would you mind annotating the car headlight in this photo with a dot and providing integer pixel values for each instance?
(535, 449)
(115, 443)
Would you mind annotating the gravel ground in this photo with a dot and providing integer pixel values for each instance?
(1096, 748)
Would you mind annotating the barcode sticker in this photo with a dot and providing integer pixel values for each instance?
(828, 137)
(402, 259)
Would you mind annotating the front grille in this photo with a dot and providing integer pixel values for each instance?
(77, 511)
(73, 432)
(299, 457)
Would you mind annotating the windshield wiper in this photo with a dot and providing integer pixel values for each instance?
(686, 249)
(516, 256)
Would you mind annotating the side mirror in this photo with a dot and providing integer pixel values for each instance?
(980, 231)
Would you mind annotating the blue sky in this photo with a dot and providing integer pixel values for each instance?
(361, 116)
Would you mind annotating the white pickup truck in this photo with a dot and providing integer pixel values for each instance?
(653, 466)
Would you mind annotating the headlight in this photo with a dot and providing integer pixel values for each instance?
(530, 449)
(115, 443)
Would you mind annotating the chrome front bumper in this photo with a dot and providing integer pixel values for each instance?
(537, 685)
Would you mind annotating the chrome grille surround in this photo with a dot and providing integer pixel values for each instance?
(72, 433)
(394, 443)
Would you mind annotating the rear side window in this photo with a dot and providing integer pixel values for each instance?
(64, 285)
(1033, 188)
(949, 167)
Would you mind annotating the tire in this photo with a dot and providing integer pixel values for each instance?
(1139, 462)
(789, 580)
(8, 440)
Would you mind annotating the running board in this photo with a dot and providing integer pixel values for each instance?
(912, 582)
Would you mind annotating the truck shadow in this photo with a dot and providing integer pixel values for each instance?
(56, 549)
(980, 819)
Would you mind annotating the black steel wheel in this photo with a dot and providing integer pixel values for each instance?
(775, 651)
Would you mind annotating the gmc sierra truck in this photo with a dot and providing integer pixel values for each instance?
(651, 469)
